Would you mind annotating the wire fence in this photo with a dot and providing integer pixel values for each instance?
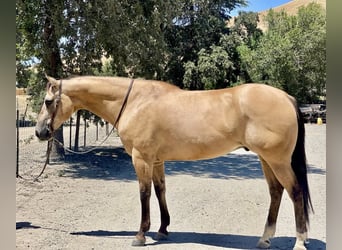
(31, 153)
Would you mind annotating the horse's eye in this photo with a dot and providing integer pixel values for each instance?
(48, 102)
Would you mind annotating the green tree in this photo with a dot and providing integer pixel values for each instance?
(37, 25)
(198, 25)
(211, 72)
(245, 34)
(246, 27)
(133, 35)
(71, 37)
(219, 66)
(292, 53)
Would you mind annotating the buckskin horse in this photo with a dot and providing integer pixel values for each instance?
(159, 122)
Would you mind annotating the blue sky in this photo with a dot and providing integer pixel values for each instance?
(259, 5)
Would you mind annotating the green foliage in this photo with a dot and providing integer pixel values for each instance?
(187, 43)
(35, 89)
(292, 53)
(106, 69)
(197, 26)
(244, 33)
(246, 27)
(212, 69)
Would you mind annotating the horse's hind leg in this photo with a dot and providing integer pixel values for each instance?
(276, 192)
(159, 187)
(286, 177)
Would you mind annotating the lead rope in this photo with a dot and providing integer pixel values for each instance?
(48, 151)
(46, 161)
(84, 152)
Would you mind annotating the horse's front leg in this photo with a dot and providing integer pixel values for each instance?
(144, 170)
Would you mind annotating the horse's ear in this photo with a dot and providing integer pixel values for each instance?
(52, 80)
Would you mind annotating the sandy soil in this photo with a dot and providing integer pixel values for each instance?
(92, 202)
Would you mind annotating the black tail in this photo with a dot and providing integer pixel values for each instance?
(299, 165)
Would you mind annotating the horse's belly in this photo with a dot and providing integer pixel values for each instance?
(196, 151)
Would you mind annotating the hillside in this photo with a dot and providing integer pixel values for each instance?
(291, 8)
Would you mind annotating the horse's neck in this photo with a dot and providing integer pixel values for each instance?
(102, 96)
(102, 87)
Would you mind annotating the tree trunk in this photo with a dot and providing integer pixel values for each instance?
(51, 61)
(57, 151)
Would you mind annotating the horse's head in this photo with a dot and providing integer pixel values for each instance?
(55, 110)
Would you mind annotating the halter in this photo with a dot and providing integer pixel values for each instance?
(123, 106)
(57, 100)
(124, 103)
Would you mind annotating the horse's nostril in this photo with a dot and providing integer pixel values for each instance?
(43, 134)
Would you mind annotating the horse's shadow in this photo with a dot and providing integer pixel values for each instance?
(208, 239)
(25, 225)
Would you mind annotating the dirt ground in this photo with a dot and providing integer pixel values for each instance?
(92, 202)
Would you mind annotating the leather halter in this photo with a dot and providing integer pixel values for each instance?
(124, 103)
(57, 100)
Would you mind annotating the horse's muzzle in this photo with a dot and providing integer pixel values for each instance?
(43, 133)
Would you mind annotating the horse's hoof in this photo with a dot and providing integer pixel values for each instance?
(138, 242)
(160, 236)
(264, 244)
(299, 247)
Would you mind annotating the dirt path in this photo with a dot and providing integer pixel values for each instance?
(92, 202)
